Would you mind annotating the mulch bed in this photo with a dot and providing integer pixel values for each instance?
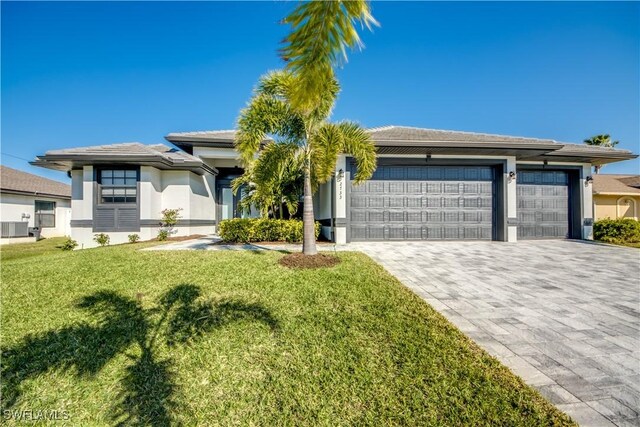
(299, 260)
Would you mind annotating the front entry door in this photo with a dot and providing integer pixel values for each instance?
(227, 203)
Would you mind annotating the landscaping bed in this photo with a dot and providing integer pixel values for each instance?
(299, 260)
(117, 335)
(623, 231)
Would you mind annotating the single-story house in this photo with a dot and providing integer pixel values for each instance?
(28, 201)
(430, 184)
(616, 196)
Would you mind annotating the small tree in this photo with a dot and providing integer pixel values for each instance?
(603, 140)
(169, 220)
(271, 183)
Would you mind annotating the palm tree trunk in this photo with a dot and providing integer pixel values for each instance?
(309, 235)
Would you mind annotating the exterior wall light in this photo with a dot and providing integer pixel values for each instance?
(512, 176)
(588, 180)
(341, 174)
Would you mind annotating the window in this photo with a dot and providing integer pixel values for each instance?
(118, 186)
(45, 214)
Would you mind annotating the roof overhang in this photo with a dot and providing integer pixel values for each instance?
(593, 157)
(187, 143)
(531, 150)
(519, 150)
(67, 162)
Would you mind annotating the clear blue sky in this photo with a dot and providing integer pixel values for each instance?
(76, 74)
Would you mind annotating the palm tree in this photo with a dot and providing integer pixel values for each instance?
(303, 135)
(603, 140)
(271, 183)
(322, 31)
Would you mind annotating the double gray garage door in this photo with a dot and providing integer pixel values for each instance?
(424, 203)
(453, 203)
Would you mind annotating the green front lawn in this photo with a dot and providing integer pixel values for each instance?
(26, 250)
(232, 338)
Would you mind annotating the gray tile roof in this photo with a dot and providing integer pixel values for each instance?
(227, 135)
(413, 140)
(22, 182)
(129, 152)
(128, 149)
(412, 134)
(385, 133)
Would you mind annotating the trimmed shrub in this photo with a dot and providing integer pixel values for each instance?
(163, 235)
(133, 238)
(68, 245)
(624, 230)
(102, 239)
(246, 230)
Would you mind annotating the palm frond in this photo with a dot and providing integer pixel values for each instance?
(359, 144)
(603, 140)
(325, 145)
(321, 34)
(262, 116)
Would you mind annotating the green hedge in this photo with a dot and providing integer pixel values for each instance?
(262, 230)
(624, 230)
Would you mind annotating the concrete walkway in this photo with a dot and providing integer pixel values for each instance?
(213, 243)
(563, 315)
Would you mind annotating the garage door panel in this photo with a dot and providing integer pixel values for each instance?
(413, 201)
(426, 202)
(543, 204)
(412, 187)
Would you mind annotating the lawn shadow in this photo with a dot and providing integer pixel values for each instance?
(124, 326)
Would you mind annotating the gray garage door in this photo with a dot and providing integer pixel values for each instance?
(423, 203)
(543, 204)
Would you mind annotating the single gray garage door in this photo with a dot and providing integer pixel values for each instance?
(423, 203)
(543, 204)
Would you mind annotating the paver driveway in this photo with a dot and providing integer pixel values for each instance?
(564, 315)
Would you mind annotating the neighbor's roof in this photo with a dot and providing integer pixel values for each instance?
(616, 184)
(157, 155)
(412, 140)
(16, 181)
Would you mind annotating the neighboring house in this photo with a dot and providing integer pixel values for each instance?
(429, 184)
(616, 196)
(28, 201)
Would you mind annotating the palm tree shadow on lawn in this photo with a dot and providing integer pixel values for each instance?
(149, 387)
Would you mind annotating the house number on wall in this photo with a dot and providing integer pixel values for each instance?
(340, 185)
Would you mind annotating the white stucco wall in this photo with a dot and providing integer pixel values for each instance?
(158, 190)
(13, 206)
(150, 192)
(587, 203)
